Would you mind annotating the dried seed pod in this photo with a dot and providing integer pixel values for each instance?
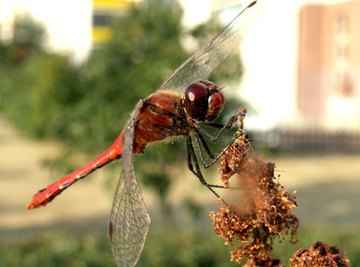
(319, 254)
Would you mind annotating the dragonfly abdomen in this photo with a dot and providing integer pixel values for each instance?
(46, 195)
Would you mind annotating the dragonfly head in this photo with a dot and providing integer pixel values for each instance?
(203, 101)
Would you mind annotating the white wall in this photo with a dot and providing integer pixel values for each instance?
(7, 10)
(67, 22)
(270, 55)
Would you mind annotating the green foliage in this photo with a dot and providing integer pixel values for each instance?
(39, 96)
(159, 182)
(28, 33)
(27, 40)
(343, 237)
(172, 247)
(58, 250)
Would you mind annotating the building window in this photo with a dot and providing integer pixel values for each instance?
(101, 20)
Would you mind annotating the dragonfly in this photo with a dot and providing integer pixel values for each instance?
(181, 106)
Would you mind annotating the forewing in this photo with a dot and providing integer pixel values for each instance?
(203, 62)
(129, 219)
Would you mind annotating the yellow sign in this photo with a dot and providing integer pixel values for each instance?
(111, 4)
(101, 34)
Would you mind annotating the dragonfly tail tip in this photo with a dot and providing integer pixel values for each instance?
(31, 206)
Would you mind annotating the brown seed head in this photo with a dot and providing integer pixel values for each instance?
(264, 210)
(319, 254)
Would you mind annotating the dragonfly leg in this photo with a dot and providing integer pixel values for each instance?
(200, 142)
(223, 127)
(200, 135)
(195, 168)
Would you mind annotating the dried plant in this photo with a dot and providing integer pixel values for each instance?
(319, 254)
(262, 209)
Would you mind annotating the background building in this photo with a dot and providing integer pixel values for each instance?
(329, 65)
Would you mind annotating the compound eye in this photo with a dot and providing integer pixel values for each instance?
(215, 106)
(196, 100)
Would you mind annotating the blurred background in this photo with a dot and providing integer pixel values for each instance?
(71, 72)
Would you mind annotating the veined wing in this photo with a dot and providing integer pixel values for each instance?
(129, 219)
(202, 63)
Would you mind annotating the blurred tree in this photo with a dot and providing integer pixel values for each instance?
(144, 49)
(28, 39)
(160, 183)
(87, 106)
(26, 42)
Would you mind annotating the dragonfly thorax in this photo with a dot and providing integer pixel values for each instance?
(203, 101)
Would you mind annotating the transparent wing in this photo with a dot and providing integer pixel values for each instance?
(203, 62)
(129, 219)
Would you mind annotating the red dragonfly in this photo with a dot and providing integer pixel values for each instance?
(182, 104)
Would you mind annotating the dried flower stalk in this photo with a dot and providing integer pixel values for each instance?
(262, 213)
